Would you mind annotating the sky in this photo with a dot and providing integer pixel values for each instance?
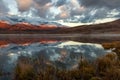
(79, 11)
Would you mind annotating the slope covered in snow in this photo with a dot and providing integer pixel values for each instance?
(13, 19)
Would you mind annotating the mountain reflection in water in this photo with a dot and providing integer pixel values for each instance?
(67, 53)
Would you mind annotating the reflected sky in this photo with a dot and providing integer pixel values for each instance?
(55, 51)
(67, 52)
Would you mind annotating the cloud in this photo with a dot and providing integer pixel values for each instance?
(101, 3)
(3, 8)
(64, 12)
(41, 6)
(63, 9)
(59, 2)
(42, 2)
(100, 9)
(24, 5)
(42, 10)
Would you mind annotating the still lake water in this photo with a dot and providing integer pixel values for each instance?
(56, 49)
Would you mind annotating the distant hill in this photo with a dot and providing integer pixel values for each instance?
(23, 27)
(18, 24)
(45, 28)
(109, 27)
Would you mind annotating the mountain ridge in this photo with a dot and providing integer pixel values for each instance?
(24, 27)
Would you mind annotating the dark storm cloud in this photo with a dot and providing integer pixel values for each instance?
(3, 8)
(101, 3)
(42, 2)
(60, 2)
(91, 15)
(25, 5)
(41, 6)
(91, 10)
(64, 9)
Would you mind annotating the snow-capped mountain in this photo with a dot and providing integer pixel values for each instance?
(14, 19)
(17, 24)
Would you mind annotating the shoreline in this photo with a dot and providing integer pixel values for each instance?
(85, 38)
(63, 35)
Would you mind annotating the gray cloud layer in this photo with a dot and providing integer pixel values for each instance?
(3, 8)
(64, 9)
(101, 3)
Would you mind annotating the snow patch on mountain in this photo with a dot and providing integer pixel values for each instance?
(14, 19)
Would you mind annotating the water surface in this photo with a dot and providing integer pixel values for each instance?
(60, 51)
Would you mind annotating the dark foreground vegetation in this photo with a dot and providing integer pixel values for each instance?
(104, 68)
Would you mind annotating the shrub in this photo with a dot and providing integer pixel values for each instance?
(24, 71)
(104, 68)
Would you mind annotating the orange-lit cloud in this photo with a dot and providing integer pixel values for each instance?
(64, 15)
(24, 5)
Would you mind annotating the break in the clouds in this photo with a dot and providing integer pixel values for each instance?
(71, 10)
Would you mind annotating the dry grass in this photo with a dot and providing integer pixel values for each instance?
(104, 68)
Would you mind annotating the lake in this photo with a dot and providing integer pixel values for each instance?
(62, 51)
